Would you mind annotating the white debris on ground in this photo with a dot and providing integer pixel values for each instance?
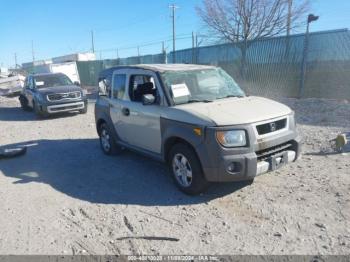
(65, 197)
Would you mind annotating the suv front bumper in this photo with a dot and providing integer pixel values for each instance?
(65, 107)
(238, 164)
(248, 166)
(53, 108)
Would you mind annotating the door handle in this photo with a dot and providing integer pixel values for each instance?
(126, 111)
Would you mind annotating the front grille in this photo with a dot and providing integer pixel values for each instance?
(266, 153)
(64, 96)
(271, 126)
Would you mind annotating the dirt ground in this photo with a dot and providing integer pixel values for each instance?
(66, 197)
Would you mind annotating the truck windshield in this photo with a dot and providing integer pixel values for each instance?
(51, 81)
(200, 85)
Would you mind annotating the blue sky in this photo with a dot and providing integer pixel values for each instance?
(63, 26)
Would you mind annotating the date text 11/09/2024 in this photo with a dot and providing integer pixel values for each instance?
(172, 258)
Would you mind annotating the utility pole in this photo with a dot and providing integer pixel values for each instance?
(196, 44)
(311, 18)
(289, 17)
(92, 42)
(164, 53)
(33, 56)
(192, 47)
(138, 55)
(173, 7)
(15, 60)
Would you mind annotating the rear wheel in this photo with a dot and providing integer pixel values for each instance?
(107, 142)
(187, 170)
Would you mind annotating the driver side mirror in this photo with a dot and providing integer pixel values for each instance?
(148, 99)
(76, 83)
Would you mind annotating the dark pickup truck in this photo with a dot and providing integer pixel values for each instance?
(52, 93)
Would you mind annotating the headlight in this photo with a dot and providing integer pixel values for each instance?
(233, 138)
(292, 120)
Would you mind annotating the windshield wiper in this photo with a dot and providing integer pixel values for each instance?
(199, 100)
(228, 96)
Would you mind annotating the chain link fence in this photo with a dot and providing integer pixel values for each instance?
(89, 70)
(272, 67)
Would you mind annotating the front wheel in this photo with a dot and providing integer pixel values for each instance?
(24, 103)
(187, 170)
(39, 112)
(84, 110)
(107, 142)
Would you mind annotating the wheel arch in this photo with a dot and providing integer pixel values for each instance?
(173, 140)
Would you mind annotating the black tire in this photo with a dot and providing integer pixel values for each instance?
(24, 103)
(197, 183)
(107, 141)
(38, 112)
(84, 111)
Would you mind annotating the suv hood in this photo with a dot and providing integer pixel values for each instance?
(58, 89)
(237, 111)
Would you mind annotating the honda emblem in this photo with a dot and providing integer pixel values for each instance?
(273, 126)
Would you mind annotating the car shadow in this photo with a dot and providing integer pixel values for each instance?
(14, 114)
(79, 169)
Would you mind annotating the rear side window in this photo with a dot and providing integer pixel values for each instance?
(118, 86)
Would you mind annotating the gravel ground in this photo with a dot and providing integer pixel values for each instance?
(65, 197)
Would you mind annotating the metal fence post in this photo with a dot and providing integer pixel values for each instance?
(303, 63)
(310, 18)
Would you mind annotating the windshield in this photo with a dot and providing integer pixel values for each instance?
(52, 80)
(200, 85)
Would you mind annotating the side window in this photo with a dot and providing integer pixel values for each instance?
(30, 83)
(104, 85)
(119, 83)
(141, 85)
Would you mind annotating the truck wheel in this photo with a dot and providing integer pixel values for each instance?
(24, 103)
(84, 111)
(38, 112)
(187, 170)
(107, 142)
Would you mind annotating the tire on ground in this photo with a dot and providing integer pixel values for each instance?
(38, 112)
(24, 103)
(106, 133)
(84, 110)
(198, 184)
